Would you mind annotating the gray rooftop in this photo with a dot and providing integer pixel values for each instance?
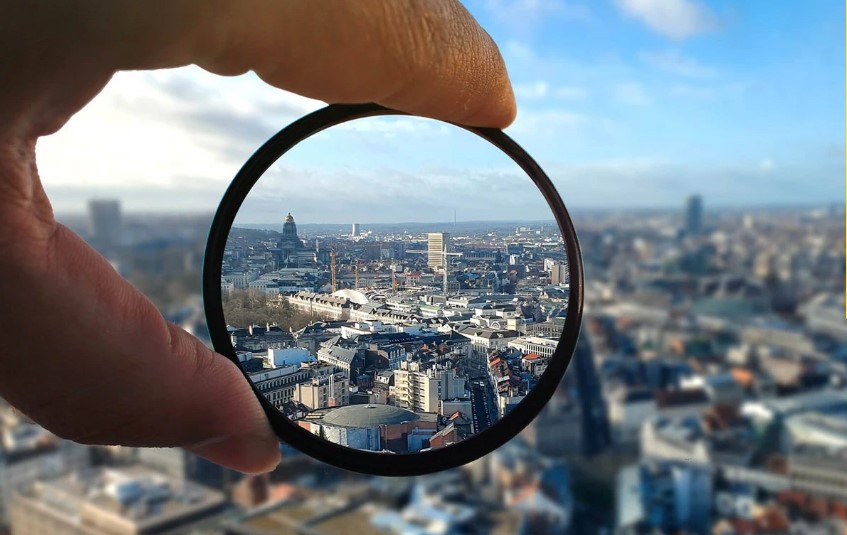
(368, 416)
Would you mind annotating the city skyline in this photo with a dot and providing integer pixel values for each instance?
(390, 340)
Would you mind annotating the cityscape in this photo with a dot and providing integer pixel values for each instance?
(707, 393)
(406, 341)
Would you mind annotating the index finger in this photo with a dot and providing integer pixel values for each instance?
(426, 57)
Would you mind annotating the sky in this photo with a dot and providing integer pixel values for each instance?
(624, 103)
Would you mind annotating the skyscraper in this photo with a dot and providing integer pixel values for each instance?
(437, 243)
(596, 432)
(694, 215)
(105, 222)
(355, 230)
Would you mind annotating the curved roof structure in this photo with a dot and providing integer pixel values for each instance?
(368, 416)
(355, 296)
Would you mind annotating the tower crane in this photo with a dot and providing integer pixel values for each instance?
(332, 268)
(444, 259)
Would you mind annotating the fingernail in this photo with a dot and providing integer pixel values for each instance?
(249, 453)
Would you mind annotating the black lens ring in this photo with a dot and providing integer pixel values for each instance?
(384, 464)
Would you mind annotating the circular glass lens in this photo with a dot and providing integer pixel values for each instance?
(394, 286)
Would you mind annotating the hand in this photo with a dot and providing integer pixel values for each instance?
(84, 353)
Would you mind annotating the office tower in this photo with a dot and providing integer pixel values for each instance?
(595, 420)
(105, 222)
(560, 274)
(355, 231)
(437, 244)
(694, 215)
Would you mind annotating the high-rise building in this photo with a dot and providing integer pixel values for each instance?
(596, 432)
(560, 274)
(437, 244)
(105, 222)
(355, 230)
(694, 215)
(422, 391)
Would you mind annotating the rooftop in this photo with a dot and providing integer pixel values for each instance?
(132, 495)
(366, 415)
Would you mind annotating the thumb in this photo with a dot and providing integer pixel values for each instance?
(92, 360)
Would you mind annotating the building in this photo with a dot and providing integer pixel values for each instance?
(322, 391)
(355, 231)
(557, 430)
(596, 430)
(694, 215)
(373, 427)
(350, 360)
(676, 497)
(543, 347)
(127, 501)
(291, 251)
(323, 306)
(819, 471)
(437, 243)
(106, 222)
(278, 385)
(181, 465)
(29, 453)
(483, 341)
(422, 391)
(560, 274)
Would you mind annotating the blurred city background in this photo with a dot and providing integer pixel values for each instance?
(701, 151)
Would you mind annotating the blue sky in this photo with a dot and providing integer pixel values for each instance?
(625, 103)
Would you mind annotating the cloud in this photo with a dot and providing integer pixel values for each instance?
(534, 90)
(677, 19)
(673, 62)
(145, 128)
(393, 195)
(559, 124)
(631, 94)
(766, 165)
(540, 89)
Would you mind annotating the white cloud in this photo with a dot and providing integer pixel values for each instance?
(535, 90)
(550, 122)
(149, 129)
(766, 165)
(540, 89)
(631, 94)
(673, 62)
(677, 19)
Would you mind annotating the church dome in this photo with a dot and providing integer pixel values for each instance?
(289, 227)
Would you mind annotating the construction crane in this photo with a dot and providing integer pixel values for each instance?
(357, 274)
(445, 262)
(332, 268)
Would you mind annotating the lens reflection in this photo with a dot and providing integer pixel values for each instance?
(394, 285)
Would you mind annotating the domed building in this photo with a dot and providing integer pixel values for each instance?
(373, 427)
(291, 250)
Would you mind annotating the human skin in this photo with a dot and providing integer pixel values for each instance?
(86, 355)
